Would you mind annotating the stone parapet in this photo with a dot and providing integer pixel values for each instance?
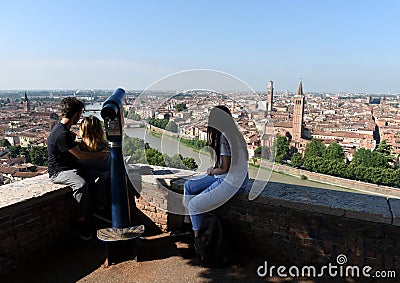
(294, 224)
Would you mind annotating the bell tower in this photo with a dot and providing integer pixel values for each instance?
(298, 113)
(27, 106)
(270, 96)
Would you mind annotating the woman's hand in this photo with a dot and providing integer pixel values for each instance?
(209, 170)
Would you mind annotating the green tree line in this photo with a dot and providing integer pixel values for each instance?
(132, 115)
(37, 155)
(140, 152)
(195, 143)
(165, 124)
(180, 106)
(376, 166)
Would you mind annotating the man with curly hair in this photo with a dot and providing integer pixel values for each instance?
(63, 153)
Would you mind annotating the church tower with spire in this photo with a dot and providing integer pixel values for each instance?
(27, 106)
(298, 113)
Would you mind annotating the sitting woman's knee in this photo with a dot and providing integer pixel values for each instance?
(187, 187)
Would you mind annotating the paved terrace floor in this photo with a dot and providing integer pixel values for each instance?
(163, 259)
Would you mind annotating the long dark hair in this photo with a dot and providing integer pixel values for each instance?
(220, 120)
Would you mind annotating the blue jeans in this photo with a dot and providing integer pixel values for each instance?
(205, 193)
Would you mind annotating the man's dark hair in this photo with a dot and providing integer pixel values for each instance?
(70, 106)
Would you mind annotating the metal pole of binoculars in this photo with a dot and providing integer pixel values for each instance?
(112, 113)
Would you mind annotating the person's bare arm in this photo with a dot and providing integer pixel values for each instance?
(84, 155)
(224, 168)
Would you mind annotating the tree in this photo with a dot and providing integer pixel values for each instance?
(172, 127)
(140, 152)
(25, 152)
(159, 123)
(282, 149)
(333, 151)
(134, 116)
(189, 163)
(131, 145)
(180, 106)
(175, 161)
(314, 164)
(362, 157)
(135, 148)
(14, 151)
(368, 158)
(195, 143)
(38, 155)
(314, 149)
(297, 160)
(263, 152)
(154, 157)
(335, 167)
(384, 148)
(5, 142)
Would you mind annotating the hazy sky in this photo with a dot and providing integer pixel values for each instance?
(333, 45)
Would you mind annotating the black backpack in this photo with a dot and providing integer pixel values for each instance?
(212, 244)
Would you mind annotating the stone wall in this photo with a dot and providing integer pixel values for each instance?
(35, 216)
(290, 224)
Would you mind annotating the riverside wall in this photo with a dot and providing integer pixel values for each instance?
(341, 182)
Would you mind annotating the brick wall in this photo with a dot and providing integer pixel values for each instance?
(35, 216)
(152, 208)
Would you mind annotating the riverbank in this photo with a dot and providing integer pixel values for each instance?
(171, 146)
(280, 173)
(352, 185)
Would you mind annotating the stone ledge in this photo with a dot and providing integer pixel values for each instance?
(338, 203)
(351, 205)
(395, 208)
(27, 189)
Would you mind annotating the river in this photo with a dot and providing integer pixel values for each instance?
(171, 146)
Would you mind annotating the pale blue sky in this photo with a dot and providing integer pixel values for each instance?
(334, 46)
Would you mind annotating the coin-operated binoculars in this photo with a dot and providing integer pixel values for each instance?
(112, 113)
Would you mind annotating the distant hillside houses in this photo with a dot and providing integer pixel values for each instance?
(25, 139)
(16, 169)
